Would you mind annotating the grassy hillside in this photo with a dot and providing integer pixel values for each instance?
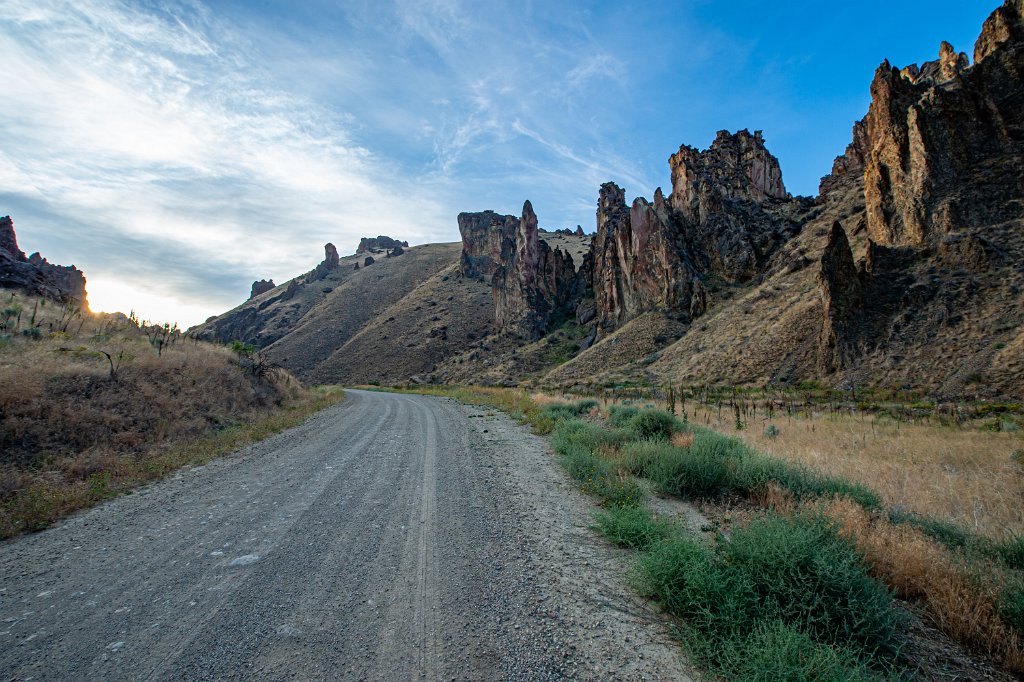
(92, 405)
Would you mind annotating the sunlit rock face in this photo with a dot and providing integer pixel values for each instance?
(940, 138)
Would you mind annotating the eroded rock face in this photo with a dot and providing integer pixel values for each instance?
(378, 244)
(727, 215)
(842, 299)
(488, 242)
(535, 287)
(34, 274)
(928, 128)
(261, 286)
(734, 167)
(636, 264)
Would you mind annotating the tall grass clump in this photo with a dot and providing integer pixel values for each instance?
(631, 527)
(578, 446)
(785, 594)
(685, 472)
(560, 411)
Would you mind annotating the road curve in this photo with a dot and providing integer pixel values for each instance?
(391, 537)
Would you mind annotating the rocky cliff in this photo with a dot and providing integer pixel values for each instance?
(904, 271)
(535, 287)
(34, 274)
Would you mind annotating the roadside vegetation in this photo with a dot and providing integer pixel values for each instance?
(94, 405)
(803, 573)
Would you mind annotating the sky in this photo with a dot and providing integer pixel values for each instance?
(177, 150)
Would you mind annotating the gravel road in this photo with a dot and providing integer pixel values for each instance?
(391, 537)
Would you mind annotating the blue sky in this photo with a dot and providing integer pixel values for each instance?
(178, 150)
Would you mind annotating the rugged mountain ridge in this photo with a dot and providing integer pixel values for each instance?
(35, 275)
(905, 270)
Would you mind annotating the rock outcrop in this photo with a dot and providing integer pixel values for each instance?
(261, 286)
(841, 298)
(637, 265)
(534, 288)
(728, 213)
(930, 130)
(488, 241)
(329, 263)
(34, 274)
(378, 244)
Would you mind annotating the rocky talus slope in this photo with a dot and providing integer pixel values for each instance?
(907, 269)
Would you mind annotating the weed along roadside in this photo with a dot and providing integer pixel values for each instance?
(795, 574)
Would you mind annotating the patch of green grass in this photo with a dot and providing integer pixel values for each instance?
(780, 651)
(620, 415)
(1010, 553)
(631, 527)
(577, 444)
(1011, 606)
(784, 596)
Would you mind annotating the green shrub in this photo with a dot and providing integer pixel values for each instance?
(653, 424)
(771, 431)
(621, 415)
(701, 470)
(631, 527)
(557, 411)
(716, 602)
(779, 651)
(1011, 606)
(804, 572)
(573, 432)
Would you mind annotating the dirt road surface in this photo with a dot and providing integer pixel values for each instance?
(391, 537)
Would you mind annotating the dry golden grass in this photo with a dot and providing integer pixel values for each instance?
(965, 476)
(76, 427)
(960, 600)
(962, 475)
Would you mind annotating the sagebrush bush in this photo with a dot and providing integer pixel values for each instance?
(781, 591)
(559, 411)
(686, 472)
(620, 415)
(652, 425)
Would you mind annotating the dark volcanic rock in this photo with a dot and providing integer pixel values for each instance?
(535, 287)
(36, 275)
(396, 251)
(330, 262)
(841, 296)
(261, 286)
(379, 244)
(488, 241)
(9, 241)
(368, 261)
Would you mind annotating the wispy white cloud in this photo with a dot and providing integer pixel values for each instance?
(163, 126)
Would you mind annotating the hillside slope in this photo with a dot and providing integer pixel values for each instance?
(906, 271)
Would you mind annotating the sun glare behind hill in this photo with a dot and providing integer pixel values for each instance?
(109, 294)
